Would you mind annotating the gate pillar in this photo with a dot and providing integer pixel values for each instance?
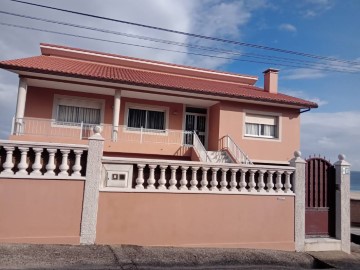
(342, 227)
(299, 188)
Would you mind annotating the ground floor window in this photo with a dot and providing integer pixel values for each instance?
(265, 126)
(148, 119)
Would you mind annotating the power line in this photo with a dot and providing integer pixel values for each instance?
(162, 49)
(256, 46)
(206, 48)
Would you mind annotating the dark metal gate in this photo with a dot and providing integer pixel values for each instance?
(319, 198)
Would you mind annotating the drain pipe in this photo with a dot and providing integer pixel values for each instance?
(308, 109)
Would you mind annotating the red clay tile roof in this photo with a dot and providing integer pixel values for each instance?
(117, 74)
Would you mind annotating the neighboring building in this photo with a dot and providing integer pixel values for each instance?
(150, 109)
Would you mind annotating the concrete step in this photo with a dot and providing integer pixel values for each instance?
(219, 157)
(322, 244)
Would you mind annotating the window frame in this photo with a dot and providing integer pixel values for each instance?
(278, 127)
(145, 107)
(76, 101)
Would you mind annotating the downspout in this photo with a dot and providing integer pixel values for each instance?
(308, 109)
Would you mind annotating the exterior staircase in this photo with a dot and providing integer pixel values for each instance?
(219, 157)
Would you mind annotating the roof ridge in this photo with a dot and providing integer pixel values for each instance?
(198, 69)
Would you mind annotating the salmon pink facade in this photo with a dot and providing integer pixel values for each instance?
(131, 151)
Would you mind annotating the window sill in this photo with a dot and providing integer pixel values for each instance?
(163, 132)
(261, 138)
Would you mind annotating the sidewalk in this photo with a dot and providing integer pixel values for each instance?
(134, 257)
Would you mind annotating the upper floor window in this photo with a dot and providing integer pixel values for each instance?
(77, 110)
(144, 118)
(75, 114)
(265, 126)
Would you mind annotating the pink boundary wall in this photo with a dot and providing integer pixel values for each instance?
(196, 220)
(40, 211)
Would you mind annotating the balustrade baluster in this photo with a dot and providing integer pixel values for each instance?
(8, 164)
(242, 183)
(214, 181)
(151, 180)
(204, 182)
(22, 166)
(162, 180)
(233, 183)
(194, 181)
(183, 181)
(252, 183)
(37, 162)
(288, 182)
(140, 178)
(278, 184)
(173, 181)
(261, 183)
(270, 184)
(223, 182)
(64, 167)
(77, 166)
(50, 167)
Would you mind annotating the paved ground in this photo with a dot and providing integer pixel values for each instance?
(134, 257)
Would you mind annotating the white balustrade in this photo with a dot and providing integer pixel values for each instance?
(214, 182)
(195, 177)
(27, 160)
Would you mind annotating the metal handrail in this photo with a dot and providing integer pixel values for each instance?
(199, 147)
(236, 152)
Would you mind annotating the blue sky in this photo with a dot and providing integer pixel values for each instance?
(321, 27)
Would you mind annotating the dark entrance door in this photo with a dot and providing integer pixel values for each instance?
(195, 120)
(319, 198)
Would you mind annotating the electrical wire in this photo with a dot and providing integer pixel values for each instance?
(251, 45)
(162, 49)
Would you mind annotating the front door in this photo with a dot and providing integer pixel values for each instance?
(195, 121)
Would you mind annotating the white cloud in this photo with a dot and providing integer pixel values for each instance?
(303, 73)
(330, 134)
(313, 8)
(303, 95)
(287, 27)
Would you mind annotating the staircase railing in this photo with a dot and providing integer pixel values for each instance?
(235, 151)
(200, 149)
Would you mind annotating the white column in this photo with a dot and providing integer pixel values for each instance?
(91, 191)
(204, 182)
(233, 182)
(64, 167)
(37, 163)
(151, 180)
(50, 167)
(223, 182)
(261, 183)
(278, 184)
(20, 105)
(287, 185)
(183, 181)
(194, 181)
(270, 183)
(162, 180)
(77, 165)
(299, 188)
(140, 178)
(342, 201)
(173, 181)
(252, 183)
(214, 182)
(242, 183)
(8, 164)
(22, 166)
(116, 115)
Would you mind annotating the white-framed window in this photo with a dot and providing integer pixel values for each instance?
(146, 117)
(77, 110)
(262, 126)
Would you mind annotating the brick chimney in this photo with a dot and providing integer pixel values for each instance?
(271, 80)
